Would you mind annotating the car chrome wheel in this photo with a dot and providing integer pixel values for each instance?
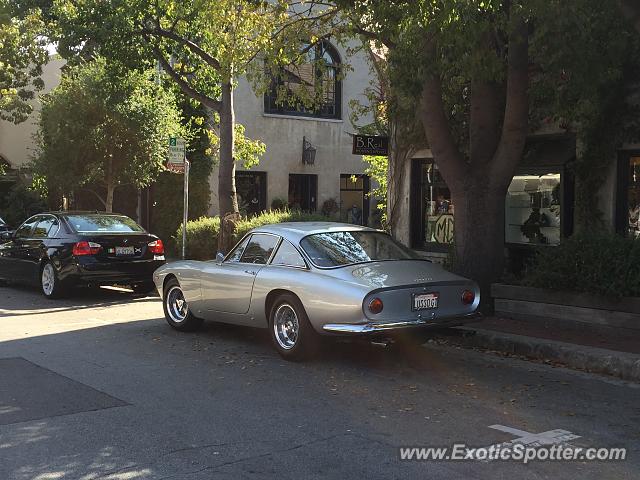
(176, 305)
(286, 326)
(48, 279)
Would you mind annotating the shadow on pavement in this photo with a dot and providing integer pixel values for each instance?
(12, 299)
(220, 403)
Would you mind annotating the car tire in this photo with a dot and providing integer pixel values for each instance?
(176, 310)
(292, 334)
(142, 288)
(50, 284)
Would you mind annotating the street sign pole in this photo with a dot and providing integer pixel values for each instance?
(185, 213)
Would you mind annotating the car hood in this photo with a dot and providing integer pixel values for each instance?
(394, 273)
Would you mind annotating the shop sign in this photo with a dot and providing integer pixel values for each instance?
(370, 145)
(444, 229)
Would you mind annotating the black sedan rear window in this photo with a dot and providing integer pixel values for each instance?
(336, 249)
(92, 223)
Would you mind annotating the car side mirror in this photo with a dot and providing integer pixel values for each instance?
(6, 235)
(219, 257)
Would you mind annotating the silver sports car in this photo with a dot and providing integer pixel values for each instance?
(301, 280)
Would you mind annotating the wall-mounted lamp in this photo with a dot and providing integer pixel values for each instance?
(308, 152)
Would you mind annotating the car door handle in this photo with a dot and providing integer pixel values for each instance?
(251, 272)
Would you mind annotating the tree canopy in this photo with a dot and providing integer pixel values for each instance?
(105, 126)
(23, 52)
(203, 46)
(483, 75)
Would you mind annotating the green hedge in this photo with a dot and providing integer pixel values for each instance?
(202, 234)
(601, 264)
(202, 238)
(275, 216)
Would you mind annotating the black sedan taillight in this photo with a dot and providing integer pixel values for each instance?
(86, 248)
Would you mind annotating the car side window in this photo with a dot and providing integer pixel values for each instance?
(288, 256)
(24, 230)
(47, 227)
(259, 249)
(239, 250)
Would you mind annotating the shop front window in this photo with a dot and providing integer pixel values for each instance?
(251, 189)
(434, 211)
(354, 205)
(633, 196)
(303, 192)
(532, 210)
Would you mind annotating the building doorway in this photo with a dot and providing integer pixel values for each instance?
(354, 204)
(303, 192)
(251, 189)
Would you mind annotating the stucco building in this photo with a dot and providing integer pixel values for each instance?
(16, 141)
(328, 170)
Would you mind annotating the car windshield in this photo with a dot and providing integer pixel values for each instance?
(337, 249)
(91, 223)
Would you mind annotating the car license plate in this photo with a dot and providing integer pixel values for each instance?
(425, 301)
(125, 251)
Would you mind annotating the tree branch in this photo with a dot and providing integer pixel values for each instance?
(184, 85)
(436, 126)
(193, 47)
(516, 115)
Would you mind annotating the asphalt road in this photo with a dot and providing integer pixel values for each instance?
(99, 387)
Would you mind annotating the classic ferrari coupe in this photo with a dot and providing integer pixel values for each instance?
(301, 280)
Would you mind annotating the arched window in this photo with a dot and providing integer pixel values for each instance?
(311, 89)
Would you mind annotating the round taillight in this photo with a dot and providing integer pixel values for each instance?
(468, 297)
(375, 306)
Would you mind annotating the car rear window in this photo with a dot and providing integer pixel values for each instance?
(337, 249)
(92, 223)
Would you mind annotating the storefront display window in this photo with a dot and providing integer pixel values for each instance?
(532, 210)
(434, 210)
(354, 204)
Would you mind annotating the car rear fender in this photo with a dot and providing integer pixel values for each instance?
(325, 299)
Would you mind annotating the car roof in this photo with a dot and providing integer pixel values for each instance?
(83, 212)
(296, 231)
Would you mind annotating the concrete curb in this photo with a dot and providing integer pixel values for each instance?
(591, 359)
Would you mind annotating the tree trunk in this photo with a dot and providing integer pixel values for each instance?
(479, 231)
(479, 182)
(227, 200)
(398, 209)
(109, 182)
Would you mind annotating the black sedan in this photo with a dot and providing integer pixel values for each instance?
(59, 250)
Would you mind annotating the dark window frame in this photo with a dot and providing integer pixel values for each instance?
(311, 189)
(262, 197)
(272, 107)
(366, 190)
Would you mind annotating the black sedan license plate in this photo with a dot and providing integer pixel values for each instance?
(425, 301)
(125, 251)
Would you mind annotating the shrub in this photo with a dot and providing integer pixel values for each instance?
(275, 216)
(202, 238)
(20, 203)
(279, 204)
(202, 234)
(601, 264)
(330, 207)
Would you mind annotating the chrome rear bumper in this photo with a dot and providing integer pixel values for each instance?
(372, 327)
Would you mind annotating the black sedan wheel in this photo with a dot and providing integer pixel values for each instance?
(176, 310)
(49, 282)
(291, 332)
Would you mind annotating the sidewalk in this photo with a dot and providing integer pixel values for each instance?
(603, 350)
